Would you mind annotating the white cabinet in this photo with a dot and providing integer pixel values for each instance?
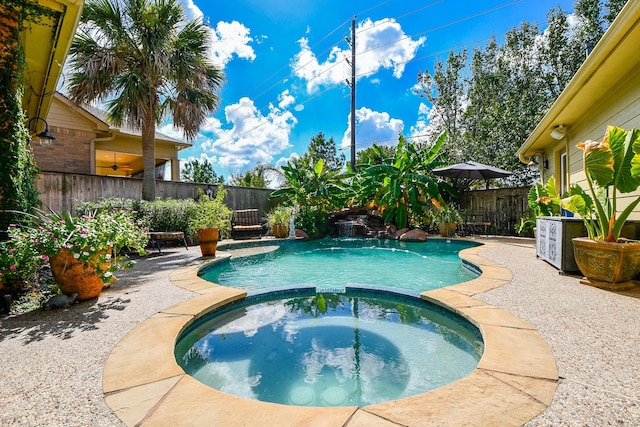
(554, 243)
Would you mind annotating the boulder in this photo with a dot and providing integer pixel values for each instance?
(301, 234)
(415, 235)
(398, 233)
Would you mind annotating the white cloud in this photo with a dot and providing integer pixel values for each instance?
(286, 99)
(253, 138)
(373, 126)
(227, 38)
(379, 45)
(422, 122)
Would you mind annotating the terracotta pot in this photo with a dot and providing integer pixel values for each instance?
(607, 264)
(280, 231)
(73, 276)
(447, 229)
(208, 238)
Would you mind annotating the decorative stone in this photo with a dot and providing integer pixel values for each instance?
(415, 235)
(301, 234)
(60, 301)
(398, 233)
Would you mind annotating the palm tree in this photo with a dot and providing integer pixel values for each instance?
(146, 62)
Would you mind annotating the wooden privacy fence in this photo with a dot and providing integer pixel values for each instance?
(62, 191)
(503, 208)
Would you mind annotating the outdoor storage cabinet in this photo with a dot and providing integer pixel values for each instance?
(554, 241)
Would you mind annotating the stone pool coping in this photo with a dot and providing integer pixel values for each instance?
(515, 380)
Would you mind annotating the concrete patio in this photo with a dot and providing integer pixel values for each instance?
(54, 360)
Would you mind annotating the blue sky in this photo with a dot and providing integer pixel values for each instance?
(285, 70)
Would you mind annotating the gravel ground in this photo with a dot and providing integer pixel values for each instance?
(53, 360)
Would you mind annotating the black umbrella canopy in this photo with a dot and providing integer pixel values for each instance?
(471, 170)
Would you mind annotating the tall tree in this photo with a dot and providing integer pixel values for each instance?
(196, 171)
(445, 90)
(146, 62)
(321, 148)
(255, 177)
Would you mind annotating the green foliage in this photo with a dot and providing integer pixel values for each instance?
(89, 238)
(147, 62)
(321, 148)
(19, 258)
(18, 170)
(401, 187)
(316, 191)
(611, 166)
(544, 200)
(202, 172)
(490, 104)
(255, 177)
(280, 215)
(211, 213)
(374, 155)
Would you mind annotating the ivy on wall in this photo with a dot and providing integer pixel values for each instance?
(18, 170)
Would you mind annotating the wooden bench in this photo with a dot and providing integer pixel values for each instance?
(156, 236)
(246, 223)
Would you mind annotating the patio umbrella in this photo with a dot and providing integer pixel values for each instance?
(471, 170)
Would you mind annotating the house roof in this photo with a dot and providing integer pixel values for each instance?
(100, 118)
(615, 55)
(46, 44)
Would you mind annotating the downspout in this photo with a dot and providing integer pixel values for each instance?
(92, 148)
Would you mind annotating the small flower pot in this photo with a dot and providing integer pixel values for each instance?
(280, 231)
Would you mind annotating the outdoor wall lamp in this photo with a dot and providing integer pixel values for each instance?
(533, 163)
(558, 132)
(45, 138)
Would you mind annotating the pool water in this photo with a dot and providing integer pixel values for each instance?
(335, 263)
(327, 349)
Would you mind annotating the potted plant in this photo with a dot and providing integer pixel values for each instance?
(278, 220)
(612, 167)
(447, 217)
(211, 219)
(83, 251)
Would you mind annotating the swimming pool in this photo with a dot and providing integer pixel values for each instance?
(307, 348)
(335, 263)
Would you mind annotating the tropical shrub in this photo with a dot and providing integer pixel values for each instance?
(211, 213)
(401, 187)
(315, 191)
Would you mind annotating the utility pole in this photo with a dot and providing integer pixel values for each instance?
(352, 85)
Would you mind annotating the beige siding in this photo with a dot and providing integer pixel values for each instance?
(620, 108)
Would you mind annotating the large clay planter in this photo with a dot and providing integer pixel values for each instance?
(280, 231)
(73, 276)
(447, 229)
(607, 264)
(208, 238)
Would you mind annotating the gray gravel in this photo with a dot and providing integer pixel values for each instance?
(52, 361)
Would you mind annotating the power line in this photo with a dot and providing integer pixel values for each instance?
(377, 47)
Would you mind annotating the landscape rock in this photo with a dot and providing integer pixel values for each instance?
(415, 235)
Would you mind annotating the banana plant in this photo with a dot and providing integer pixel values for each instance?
(315, 190)
(401, 187)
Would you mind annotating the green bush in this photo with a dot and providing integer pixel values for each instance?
(169, 214)
(159, 215)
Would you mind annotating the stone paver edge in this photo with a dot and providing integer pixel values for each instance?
(530, 373)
